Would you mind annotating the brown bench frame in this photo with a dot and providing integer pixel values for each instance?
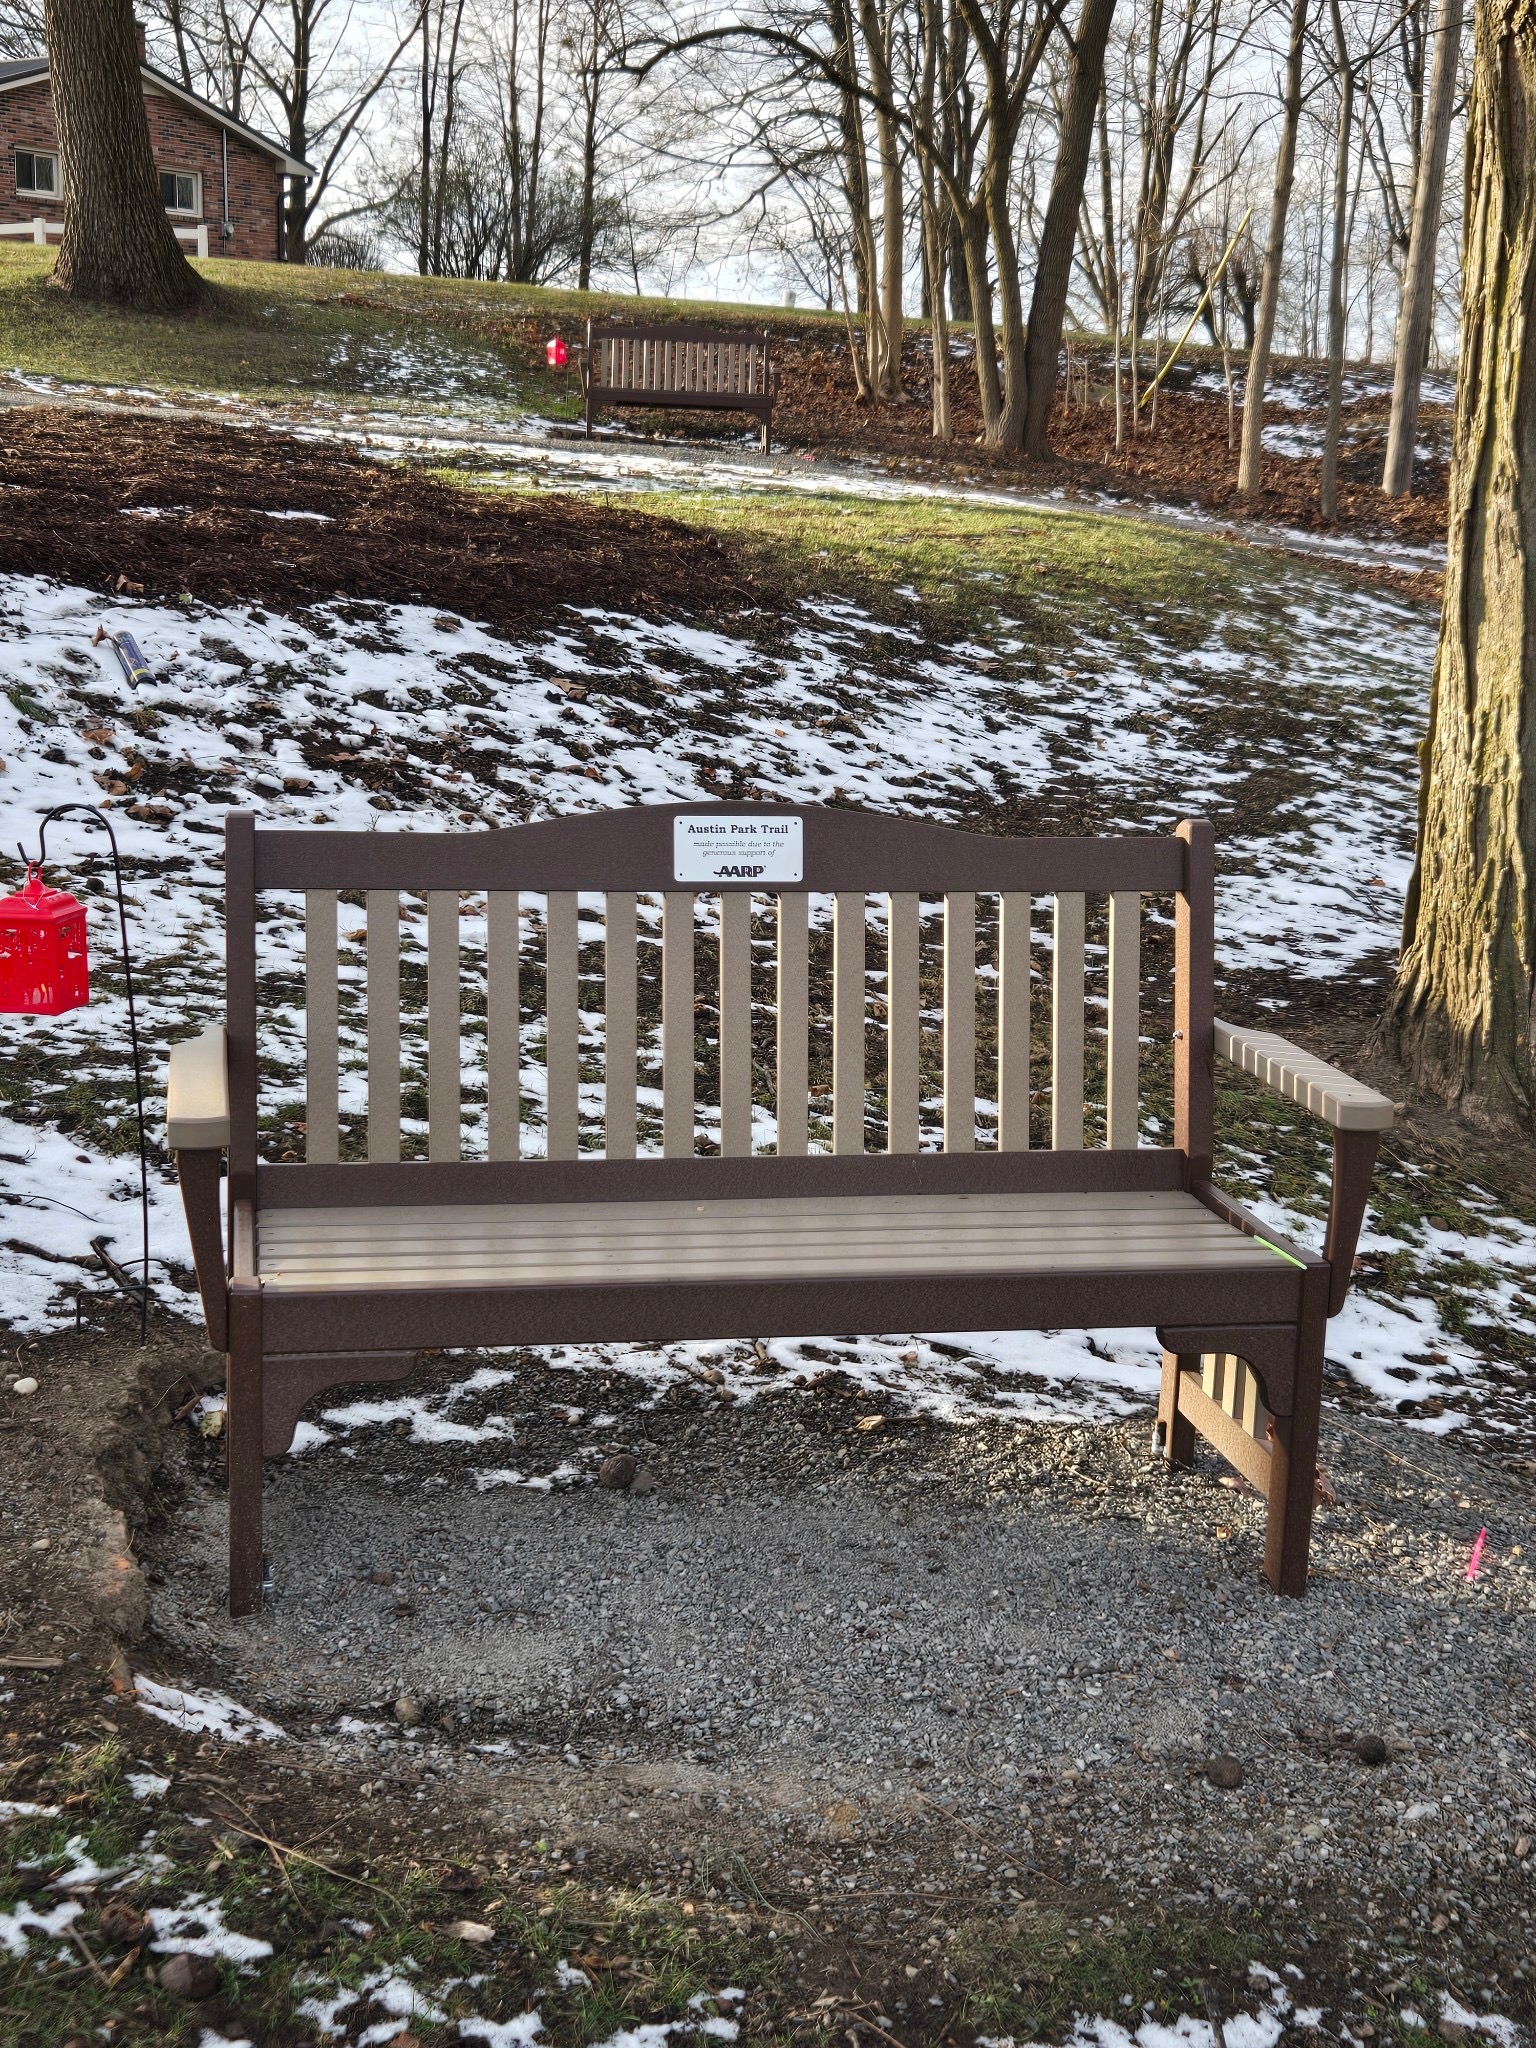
(659, 345)
(285, 1346)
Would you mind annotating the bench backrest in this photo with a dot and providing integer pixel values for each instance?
(761, 978)
(692, 360)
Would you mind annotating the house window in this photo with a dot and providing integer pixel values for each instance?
(178, 191)
(37, 174)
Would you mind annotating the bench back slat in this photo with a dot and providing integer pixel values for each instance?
(960, 1021)
(382, 939)
(444, 1039)
(1015, 919)
(1067, 995)
(621, 1023)
(1123, 1092)
(677, 1051)
(793, 1024)
(321, 1010)
(503, 1028)
(849, 960)
(735, 914)
(903, 1021)
(562, 1013)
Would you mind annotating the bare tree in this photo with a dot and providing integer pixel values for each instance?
(1418, 304)
(1250, 458)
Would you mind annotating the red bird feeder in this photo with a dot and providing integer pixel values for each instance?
(557, 354)
(43, 964)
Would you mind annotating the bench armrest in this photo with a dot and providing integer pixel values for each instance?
(1358, 1115)
(197, 1131)
(1287, 1071)
(197, 1094)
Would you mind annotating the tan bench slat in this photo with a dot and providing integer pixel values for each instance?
(903, 1021)
(620, 1027)
(735, 1024)
(562, 1000)
(678, 1079)
(444, 1139)
(322, 1144)
(503, 1024)
(1067, 1024)
(1122, 1112)
(960, 1021)
(1013, 991)
(848, 970)
(383, 942)
(793, 1008)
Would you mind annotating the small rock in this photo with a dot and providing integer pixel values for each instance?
(24, 1386)
(1224, 1772)
(868, 1422)
(121, 1924)
(193, 1977)
(468, 1930)
(381, 1578)
(618, 1473)
(644, 1481)
(43, 1543)
(407, 1712)
(1453, 2030)
(1370, 1749)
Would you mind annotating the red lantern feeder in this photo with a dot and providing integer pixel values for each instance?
(43, 966)
(557, 354)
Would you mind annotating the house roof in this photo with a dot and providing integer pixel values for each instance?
(26, 70)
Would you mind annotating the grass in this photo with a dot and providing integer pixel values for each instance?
(336, 1922)
(287, 331)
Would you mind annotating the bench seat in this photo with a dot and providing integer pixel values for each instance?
(575, 1244)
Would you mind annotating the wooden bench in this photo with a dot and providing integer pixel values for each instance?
(856, 1176)
(669, 366)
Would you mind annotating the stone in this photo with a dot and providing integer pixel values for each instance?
(192, 1977)
(1224, 1772)
(121, 1924)
(407, 1712)
(618, 1473)
(24, 1386)
(644, 1481)
(380, 1577)
(1370, 1749)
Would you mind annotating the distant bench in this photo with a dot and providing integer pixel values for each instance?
(667, 366)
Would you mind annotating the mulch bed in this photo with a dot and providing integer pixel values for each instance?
(77, 487)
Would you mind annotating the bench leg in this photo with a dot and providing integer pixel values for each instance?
(242, 1422)
(1293, 1465)
(1178, 1430)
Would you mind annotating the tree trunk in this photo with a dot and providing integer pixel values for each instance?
(1462, 1008)
(1250, 460)
(1058, 234)
(877, 50)
(1328, 490)
(1010, 306)
(118, 246)
(1419, 275)
(974, 242)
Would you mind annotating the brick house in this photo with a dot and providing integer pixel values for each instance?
(221, 182)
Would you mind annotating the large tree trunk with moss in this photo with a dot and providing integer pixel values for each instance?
(1462, 1009)
(118, 245)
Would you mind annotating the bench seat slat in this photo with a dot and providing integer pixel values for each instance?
(592, 1243)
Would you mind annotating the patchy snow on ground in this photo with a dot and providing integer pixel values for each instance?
(403, 718)
(203, 1713)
